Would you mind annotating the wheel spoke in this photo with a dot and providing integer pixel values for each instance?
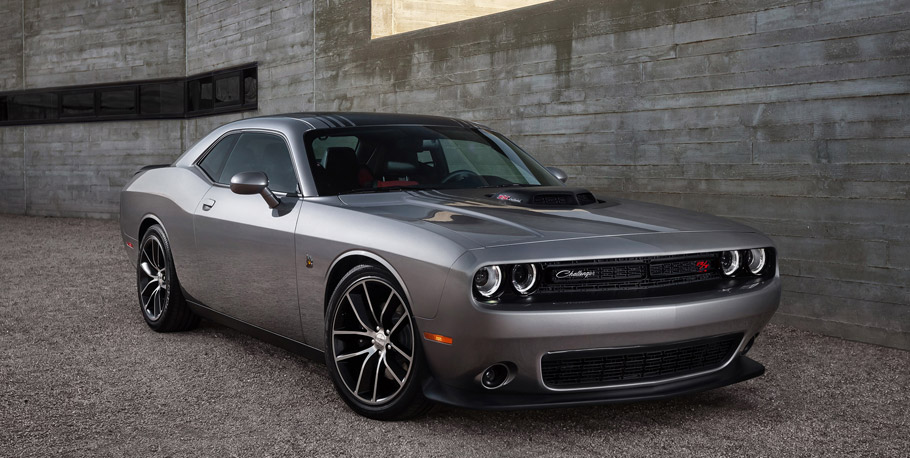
(147, 269)
(363, 368)
(400, 320)
(354, 308)
(146, 287)
(149, 258)
(401, 352)
(352, 333)
(376, 378)
(153, 246)
(155, 299)
(384, 306)
(354, 355)
(366, 294)
(146, 303)
(391, 371)
(159, 256)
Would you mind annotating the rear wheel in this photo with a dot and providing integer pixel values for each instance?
(160, 299)
(372, 350)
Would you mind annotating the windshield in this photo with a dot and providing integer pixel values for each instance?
(391, 158)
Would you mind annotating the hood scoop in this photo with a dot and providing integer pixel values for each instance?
(547, 196)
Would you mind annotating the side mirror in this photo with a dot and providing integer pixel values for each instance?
(254, 183)
(558, 173)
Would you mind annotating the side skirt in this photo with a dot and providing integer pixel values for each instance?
(257, 332)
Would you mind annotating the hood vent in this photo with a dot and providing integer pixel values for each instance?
(550, 196)
(554, 199)
(585, 198)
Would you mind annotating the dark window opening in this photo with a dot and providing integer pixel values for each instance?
(118, 102)
(199, 92)
(77, 104)
(250, 87)
(33, 107)
(163, 98)
(223, 91)
(227, 90)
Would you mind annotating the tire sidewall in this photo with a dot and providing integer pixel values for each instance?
(412, 392)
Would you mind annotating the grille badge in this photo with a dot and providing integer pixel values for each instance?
(582, 273)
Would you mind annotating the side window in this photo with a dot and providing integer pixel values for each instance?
(259, 152)
(213, 163)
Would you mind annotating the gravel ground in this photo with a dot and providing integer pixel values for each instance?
(82, 375)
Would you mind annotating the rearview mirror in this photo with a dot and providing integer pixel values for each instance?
(558, 173)
(254, 183)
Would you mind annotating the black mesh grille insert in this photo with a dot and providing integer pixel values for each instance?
(605, 367)
(645, 274)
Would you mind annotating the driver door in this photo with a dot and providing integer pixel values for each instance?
(246, 250)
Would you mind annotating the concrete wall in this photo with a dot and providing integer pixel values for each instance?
(398, 16)
(788, 115)
(78, 169)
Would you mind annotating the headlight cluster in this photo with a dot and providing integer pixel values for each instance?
(490, 281)
(754, 261)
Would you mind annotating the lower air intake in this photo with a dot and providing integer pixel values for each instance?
(616, 366)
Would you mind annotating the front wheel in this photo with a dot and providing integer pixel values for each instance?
(160, 298)
(372, 349)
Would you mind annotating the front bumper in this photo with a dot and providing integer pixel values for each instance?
(520, 338)
(740, 369)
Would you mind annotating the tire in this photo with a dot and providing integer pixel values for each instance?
(160, 299)
(377, 373)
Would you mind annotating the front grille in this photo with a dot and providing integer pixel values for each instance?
(615, 366)
(642, 276)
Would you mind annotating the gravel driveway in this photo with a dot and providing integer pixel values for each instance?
(81, 374)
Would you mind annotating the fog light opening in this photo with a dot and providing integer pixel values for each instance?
(494, 376)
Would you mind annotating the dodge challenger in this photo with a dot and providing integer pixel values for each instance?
(430, 259)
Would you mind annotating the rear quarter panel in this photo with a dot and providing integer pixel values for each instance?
(170, 196)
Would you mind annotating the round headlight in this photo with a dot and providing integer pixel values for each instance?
(729, 262)
(756, 260)
(487, 280)
(523, 277)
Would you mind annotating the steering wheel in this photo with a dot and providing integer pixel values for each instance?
(460, 175)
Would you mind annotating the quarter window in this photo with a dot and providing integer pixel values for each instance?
(213, 163)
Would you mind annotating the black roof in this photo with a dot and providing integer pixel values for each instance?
(323, 120)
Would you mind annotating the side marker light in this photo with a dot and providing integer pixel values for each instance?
(437, 338)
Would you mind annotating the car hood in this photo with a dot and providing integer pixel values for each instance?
(476, 217)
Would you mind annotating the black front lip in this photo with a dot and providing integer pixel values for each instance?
(740, 369)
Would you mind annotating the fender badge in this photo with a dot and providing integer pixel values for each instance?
(309, 262)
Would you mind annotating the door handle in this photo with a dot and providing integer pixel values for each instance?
(208, 204)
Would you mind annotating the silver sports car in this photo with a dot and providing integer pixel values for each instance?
(431, 259)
